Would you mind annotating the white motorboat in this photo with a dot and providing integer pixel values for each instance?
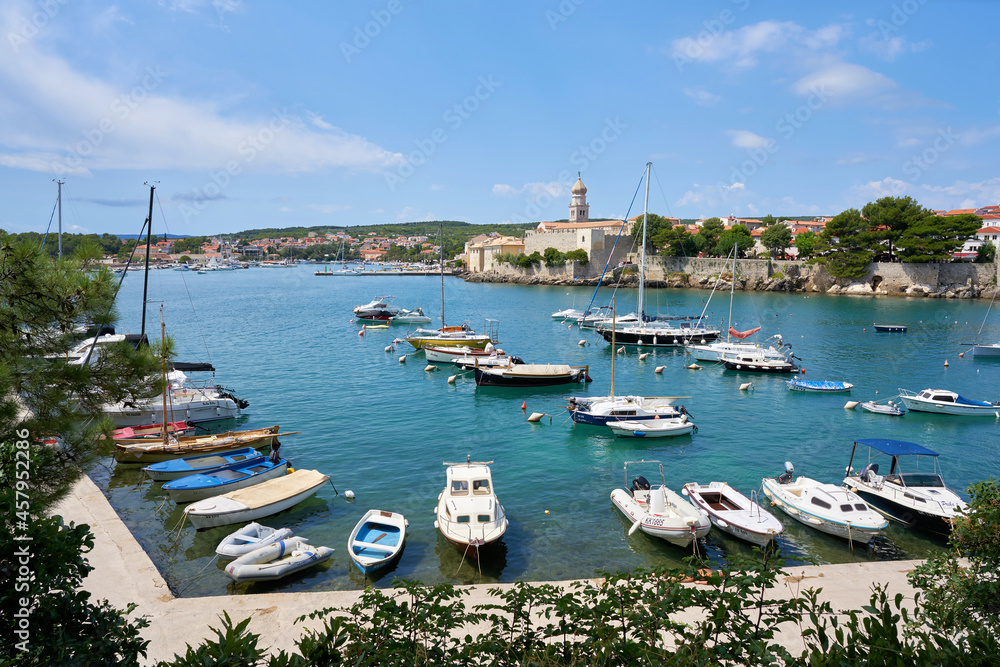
(447, 355)
(249, 538)
(734, 513)
(945, 402)
(277, 560)
(828, 508)
(257, 501)
(757, 361)
(378, 309)
(917, 499)
(986, 350)
(890, 407)
(568, 314)
(599, 410)
(658, 511)
(652, 428)
(415, 316)
(468, 513)
(184, 401)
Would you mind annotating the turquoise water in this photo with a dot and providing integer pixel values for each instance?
(284, 340)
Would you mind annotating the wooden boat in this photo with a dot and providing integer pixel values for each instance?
(942, 401)
(829, 508)
(468, 513)
(895, 328)
(151, 451)
(277, 560)
(376, 540)
(149, 430)
(824, 386)
(175, 468)
(732, 512)
(257, 501)
(658, 511)
(230, 478)
(652, 428)
(530, 375)
(887, 408)
(249, 538)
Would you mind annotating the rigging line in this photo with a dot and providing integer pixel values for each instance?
(130, 256)
(51, 216)
(613, 247)
(984, 318)
(197, 321)
(667, 205)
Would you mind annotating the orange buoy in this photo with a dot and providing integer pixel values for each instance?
(524, 406)
(802, 370)
(945, 363)
(961, 354)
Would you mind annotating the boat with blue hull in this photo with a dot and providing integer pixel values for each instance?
(165, 471)
(822, 386)
(230, 478)
(377, 540)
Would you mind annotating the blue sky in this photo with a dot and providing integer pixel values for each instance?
(272, 115)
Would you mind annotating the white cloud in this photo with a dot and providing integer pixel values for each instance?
(746, 139)
(743, 47)
(888, 48)
(961, 194)
(553, 189)
(504, 190)
(327, 208)
(975, 136)
(434, 187)
(887, 187)
(318, 121)
(844, 82)
(409, 214)
(702, 97)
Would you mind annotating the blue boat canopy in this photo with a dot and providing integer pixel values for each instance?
(896, 447)
(961, 400)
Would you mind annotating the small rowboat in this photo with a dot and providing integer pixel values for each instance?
(144, 450)
(277, 560)
(255, 502)
(732, 512)
(377, 540)
(230, 478)
(249, 538)
(824, 386)
(651, 428)
(887, 408)
(149, 430)
(175, 468)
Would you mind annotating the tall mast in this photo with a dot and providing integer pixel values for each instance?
(614, 353)
(642, 256)
(163, 369)
(441, 230)
(732, 288)
(59, 197)
(149, 241)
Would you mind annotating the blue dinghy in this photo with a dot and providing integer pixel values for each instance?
(376, 540)
(204, 463)
(826, 386)
(224, 480)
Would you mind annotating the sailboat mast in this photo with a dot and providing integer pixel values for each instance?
(59, 199)
(149, 241)
(441, 262)
(163, 368)
(732, 289)
(642, 255)
(613, 352)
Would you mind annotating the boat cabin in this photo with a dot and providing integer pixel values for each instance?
(470, 495)
(938, 395)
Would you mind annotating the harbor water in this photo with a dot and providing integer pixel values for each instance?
(284, 339)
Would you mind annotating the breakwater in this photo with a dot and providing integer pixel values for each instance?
(957, 280)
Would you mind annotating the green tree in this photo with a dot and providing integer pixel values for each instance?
(806, 242)
(889, 218)
(553, 257)
(192, 244)
(676, 242)
(737, 235)
(935, 238)
(768, 220)
(578, 255)
(851, 244)
(776, 238)
(986, 253)
(710, 231)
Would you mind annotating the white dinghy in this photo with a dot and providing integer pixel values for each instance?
(652, 428)
(277, 560)
(257, 501)
(659, 511)
(734, 513)
(249, 538)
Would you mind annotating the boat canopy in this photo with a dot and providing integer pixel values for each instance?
(896, 447)
(961, 400)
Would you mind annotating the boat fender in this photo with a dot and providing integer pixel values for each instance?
(349, 494)
(535, 417)
(642, 357)
(430, 368)
(850, 405)
(452, 378)
(290, 470)
(658, 369)
(402, 359)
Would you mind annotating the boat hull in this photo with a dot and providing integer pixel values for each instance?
(225, 513)
(377, 541)
(204, 463)
(189, 495)
(650, 428)
(653, 338)
(484, 378)
(735, 514)
(796, 511)
(956, 409)
(751, 367)
(146, 452)
(676, 531)
(152, 413)
(908, 516)
(277, 560)
(986, 350)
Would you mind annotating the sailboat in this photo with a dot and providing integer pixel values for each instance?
(986, 349)
(657, 332)
(715, 350)
(460, 336)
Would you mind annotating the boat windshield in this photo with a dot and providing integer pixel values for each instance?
(917, 479)
(481, 487)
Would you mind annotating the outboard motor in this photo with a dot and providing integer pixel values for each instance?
(640, 483)
(787, 476)
(519, 360)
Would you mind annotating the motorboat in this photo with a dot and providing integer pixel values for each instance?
(732, 512)
(890, 328)
(182, 401)
(468, 362)
(821, 386)
(756, 361)
(658, 511)
(945, 402)
(829, 508)
(468, 514)
(229, 478)
(652, 428)
(568, 314)
(146, 450)
(590, 318)
(530, 375)
(277, 560)
(890, 407)
(415, 316)
(986, 350)
(377, 540)
(917, 499)
(446, 355)
(715, 350)
(255, 502)
(249, 538)
(599, 410)
(378, 309)
(164, 471)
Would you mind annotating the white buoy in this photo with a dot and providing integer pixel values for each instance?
(850, 405)
(430, 368)
(452, 378)
(621, 350)
(582, 343)
(349, 494)
(402, 359)
(388, 348)
(658, 369)
(642, 357)
(746, 386)
(946, 363)
(693, 367)
(535, 417)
